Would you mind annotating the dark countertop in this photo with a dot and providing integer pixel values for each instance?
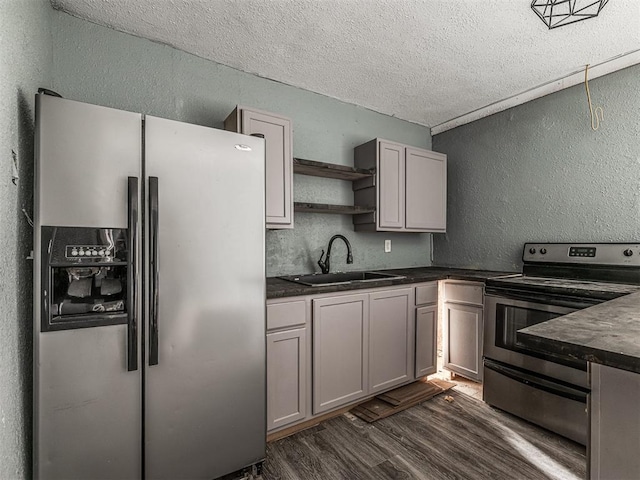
(564, 286)
(278, 288)
(607, 333)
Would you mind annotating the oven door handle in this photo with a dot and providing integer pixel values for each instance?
(535, 381)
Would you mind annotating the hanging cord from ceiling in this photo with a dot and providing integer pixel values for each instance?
(597, 114)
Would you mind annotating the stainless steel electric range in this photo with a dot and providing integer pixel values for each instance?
(557, 279)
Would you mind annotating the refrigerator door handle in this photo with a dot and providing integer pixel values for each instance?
(153, 271)
(132, 274)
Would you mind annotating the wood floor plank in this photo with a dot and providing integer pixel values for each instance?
(463, 439)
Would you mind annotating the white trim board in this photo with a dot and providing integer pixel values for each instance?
(598, 70)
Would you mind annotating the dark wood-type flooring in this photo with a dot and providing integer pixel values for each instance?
(463, 439)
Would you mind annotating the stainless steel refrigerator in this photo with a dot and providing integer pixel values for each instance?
(149, 332)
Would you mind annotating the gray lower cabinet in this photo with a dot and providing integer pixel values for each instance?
(614, 440)
(286, 377)
(426, 314)
(426, 337)
(391, 337)
(463, 328)
(340, 350)
(463, 340)
(288, 362)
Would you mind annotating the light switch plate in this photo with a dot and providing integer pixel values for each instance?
(387, 246)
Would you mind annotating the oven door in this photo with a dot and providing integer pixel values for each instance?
(505, 315)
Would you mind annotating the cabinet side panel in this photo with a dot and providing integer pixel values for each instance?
(232, 122)
(615, 423)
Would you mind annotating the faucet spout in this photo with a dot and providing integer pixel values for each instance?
(325, 265)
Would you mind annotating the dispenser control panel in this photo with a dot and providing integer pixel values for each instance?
(88, 251)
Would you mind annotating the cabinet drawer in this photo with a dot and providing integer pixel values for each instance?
(288, 314)
(468, 292)
(427, 294)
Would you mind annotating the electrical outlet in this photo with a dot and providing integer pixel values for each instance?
(387, 246)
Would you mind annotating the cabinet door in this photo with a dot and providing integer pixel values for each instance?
(279, 164)
(426, 190)
(391, 337)
(426, 338)
(286, 377)
(463, 340)
(391, 165)
(340, 350)
(614, 422)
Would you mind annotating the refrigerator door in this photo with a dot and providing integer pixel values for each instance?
(205, 396)
(87, 405)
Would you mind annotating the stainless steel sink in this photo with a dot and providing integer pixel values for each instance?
(339, 278)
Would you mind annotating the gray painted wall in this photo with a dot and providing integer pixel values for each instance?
(25, 65)
(98, 65)
(537, 172)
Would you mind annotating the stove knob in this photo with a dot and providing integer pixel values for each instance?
(543, 251)
(532, 250)
(628, 252)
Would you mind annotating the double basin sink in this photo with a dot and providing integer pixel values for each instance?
(339, 278)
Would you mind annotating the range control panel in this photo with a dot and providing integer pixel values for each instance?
(613, 254)
(88, 251)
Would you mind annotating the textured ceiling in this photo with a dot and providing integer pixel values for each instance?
(425, 61)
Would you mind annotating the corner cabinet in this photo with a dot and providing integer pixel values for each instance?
(409, 189)
(463, 328)
(277, 133)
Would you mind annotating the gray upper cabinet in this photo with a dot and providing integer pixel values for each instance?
(409, 190)
(425, 190)
(340, 350)
(277, 132)
(390, 339)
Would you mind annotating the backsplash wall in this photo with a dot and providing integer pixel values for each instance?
(538, 173)
(98, 65)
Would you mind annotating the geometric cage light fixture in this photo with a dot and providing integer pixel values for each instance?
(557, 13)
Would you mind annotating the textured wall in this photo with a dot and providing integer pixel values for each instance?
(98, 65)
(25, 65)
(537, 172)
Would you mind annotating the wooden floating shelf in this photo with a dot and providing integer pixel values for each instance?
(326, 208)
(329, 170)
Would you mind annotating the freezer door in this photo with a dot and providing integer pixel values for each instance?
(87, 404)
(205, 398)
(85, 153)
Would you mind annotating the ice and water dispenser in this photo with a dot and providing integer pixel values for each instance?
(84, 277)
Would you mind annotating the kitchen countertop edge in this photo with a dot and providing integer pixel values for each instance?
(606, 333)
(279, 288)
